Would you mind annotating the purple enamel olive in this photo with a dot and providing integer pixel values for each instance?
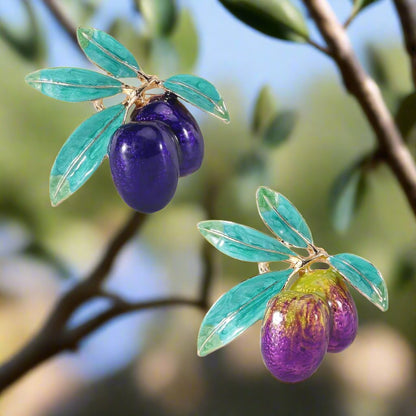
(330, 285)
(144, 164)
(295, 335)
(168, 109)
(344, 317)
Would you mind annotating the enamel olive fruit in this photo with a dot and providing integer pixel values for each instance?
(170, 111)
(330, 286)
(295, 335)
(144, 164)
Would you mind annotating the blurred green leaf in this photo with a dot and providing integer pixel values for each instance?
(406, 269)
(264, 109)
(81, 11)
(362, 4)
(163, 58)
(346, 195)
(280, 128)
(30, 43)
(276, 18)
(406, 114)
(160, 15)
(252, 162)
(185, 40)
(377, 65)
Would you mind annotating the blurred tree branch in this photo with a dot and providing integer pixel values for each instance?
(62, 19)
(406, 9)
(365, 90)
(54, 336)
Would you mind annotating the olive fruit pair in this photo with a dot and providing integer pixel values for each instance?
(149, 154)
(316, 315)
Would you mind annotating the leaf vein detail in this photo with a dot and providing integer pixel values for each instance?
(110, 54)
(269, 250)
(286, 223)
(75, 161)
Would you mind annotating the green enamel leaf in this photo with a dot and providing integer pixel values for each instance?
(198, 92)
(238, 309)
(362, 275)
(277, 18)
(107, 53)
(73, 84)
(83, 152)
(282, 218)
(242, 242)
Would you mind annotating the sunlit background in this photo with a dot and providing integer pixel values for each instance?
(146, 363)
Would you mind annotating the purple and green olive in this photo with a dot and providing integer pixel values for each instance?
(330, 286)
(316, 315)
(295, 335)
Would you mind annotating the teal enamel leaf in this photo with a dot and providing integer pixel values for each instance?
(199, 92)
(282, 218)
(107, 53)
(83, 152)
(73, 84)
(362, 275)
(238, 309)
(243, 243)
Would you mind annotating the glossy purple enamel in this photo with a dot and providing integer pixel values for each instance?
(330, 285)
(344, 317)
(144, 164)
(295, 334)
(191, 143)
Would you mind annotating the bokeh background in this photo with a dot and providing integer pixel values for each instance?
(146, 363)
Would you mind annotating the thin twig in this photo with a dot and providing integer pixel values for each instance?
(406, 9)
(317, 46)
(72, 337)
(62, 19)
(46, 345)
(351, 17)
(368, 95)
(125, 234)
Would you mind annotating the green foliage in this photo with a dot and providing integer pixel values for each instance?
(362, 4)
(406, 115)
(160, 15)
(280, 128)
(29, 44)
(265, 109)
(251, 162)
(276, 18)
(347, 194)
(185, 41)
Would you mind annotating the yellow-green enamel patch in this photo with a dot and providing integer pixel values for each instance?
(318, 282)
